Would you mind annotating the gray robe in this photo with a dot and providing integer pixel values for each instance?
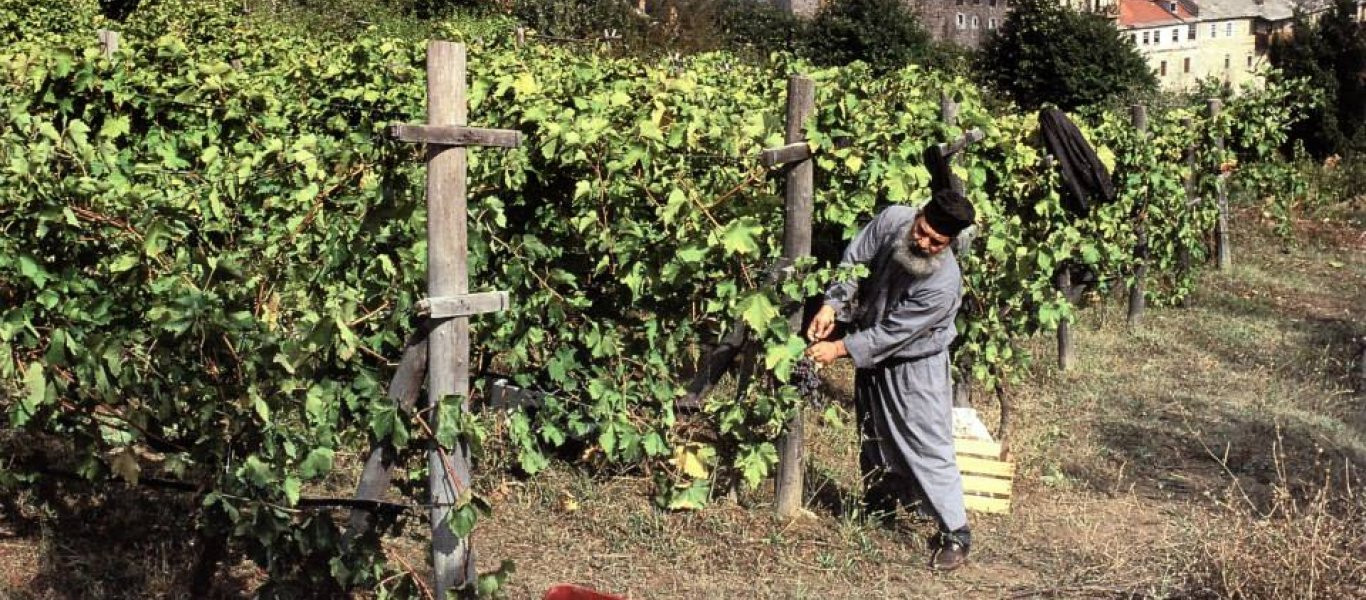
(900, 328)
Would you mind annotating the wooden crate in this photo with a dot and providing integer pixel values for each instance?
(986, 478)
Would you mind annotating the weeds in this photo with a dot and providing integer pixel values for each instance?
(1305, 543)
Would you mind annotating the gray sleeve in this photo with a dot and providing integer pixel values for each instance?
(913, 317)
(860, 251)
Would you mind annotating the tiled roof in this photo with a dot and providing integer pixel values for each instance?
(1147, 13)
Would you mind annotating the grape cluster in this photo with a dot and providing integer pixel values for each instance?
(807, 379)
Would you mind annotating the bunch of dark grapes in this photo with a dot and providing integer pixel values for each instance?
(807, 380)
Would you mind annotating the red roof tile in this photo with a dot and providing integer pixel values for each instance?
(1145, 13)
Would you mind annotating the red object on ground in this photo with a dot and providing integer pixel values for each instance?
(574, 592)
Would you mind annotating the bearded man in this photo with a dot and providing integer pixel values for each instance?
(900, 322)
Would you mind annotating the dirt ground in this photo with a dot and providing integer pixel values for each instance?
(1210, 452)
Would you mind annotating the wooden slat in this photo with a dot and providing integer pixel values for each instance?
(982, 466)
(794, 152)
(404, 389)
(456, 135)
(977, 448)
(463, 305)
(972, 136)
(987, 505)
(973, 484)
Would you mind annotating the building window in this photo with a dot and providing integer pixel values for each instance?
(991, 23)
(1186, 65)
(1145, 38)
(991, 2)
(1176, 35)
(1191, 34)
(1226, 61)
(1171, 7)
(974, 21)
(1213, 29)
(1249, 61)
(962, 21)
(1162, 69)
(1228, 29)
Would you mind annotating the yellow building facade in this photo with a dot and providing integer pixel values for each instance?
(1188, 41)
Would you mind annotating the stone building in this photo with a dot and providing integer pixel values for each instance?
(963, 22)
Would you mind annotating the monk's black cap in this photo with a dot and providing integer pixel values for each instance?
(948, 212)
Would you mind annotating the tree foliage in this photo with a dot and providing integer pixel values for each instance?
(1048, 53)
(1331, 54)
(882, 33)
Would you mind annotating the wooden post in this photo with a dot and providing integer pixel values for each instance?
(449, 303)
(521, 37)
(109, 42)
(962, 382)
(447, 275)
(948, 109)
(1183, 253)
(1140, 218)
(1221, 234)
(801, 102)
(1062, 280)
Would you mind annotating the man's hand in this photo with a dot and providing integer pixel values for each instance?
(822, 325)
(826, 352)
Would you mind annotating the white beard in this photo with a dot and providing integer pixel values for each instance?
(912, 260)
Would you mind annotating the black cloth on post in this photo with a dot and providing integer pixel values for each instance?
(1085, 180)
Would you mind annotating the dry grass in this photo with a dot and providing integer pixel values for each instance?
(1213, 452)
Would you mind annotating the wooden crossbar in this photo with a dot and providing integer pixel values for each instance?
(971, 136)
(790, 153)
(463, 305)
(456, 135)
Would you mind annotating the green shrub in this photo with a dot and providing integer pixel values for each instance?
(882, 33)
(1046, 52)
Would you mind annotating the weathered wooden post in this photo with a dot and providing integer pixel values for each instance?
(1183, 253)
(1140, 218)
(1221, 234)
(449, 303)
(109, 42)
(801, 102)
(1062, 280)
(962, 384)
(521, 36)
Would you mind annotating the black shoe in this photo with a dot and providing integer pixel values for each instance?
(951, 550)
